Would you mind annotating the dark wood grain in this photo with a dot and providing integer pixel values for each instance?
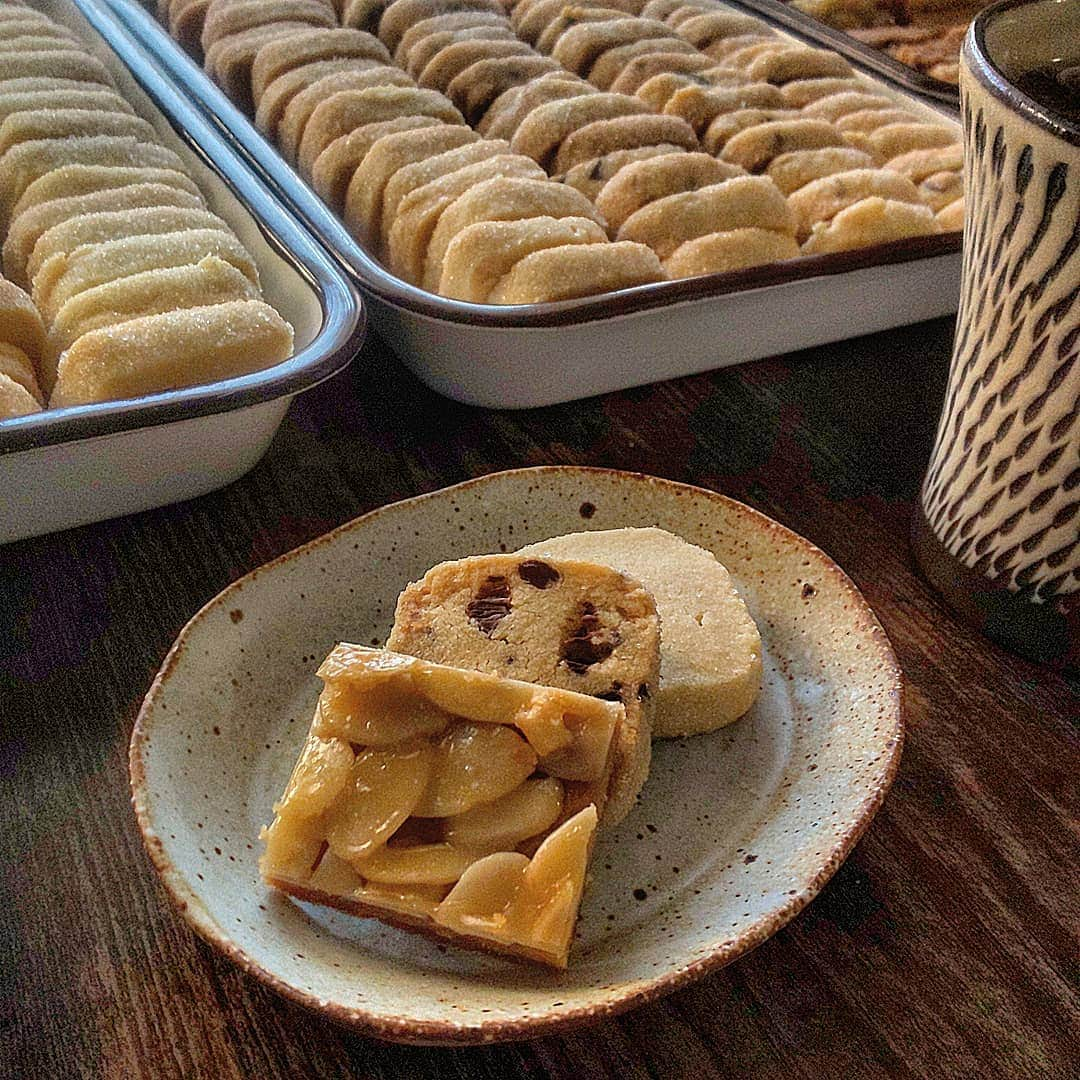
(945, 947)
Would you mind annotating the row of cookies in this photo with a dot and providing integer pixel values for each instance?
(753, 97)
(139, 287)
(673, 198)
(445, 207)
(22, 345)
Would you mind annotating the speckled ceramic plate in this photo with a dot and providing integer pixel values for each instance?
(735, 831)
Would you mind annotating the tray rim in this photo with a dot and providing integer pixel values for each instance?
(440, 1033)
(344, 316)
(363, 268)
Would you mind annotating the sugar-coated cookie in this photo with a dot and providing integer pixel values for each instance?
(736, 249)
(871, 221)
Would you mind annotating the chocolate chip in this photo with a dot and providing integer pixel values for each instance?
(586, 510)
(643, 692)
(589, 643)
(540, 575)
(808, 590)
(490, 605)
(609, 695)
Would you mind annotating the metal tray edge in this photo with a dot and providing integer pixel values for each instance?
(372, 276)
(344, 315)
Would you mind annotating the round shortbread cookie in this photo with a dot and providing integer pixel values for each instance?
(452, 23)
(821, 200)
(941, 189)
(726, 125)
(276, 97)
(801, 92)
(642, 182)
(172, 350)
(401, 14)
(24, 127)
(96, 264)
(335, 167)
(386, 155)
(15, 399)
(866, 120)
(483, 253)
(423, 50)
(622, 133)
(723, 252)
(722, 49)
(917, 165)
(707, 27)
(101, 99)
(798, 62)
(229, 60)
(699, 106)
(501, 199)
(590, 176)
(59, 63)
(739, 203)
(185, 21)
(16, 366)
(869, 222)
(580, 47)
(577, 626)
(278, 57)
(951, 218)
(362, 14)
(474, 89)
(892, 140)
(542, 131)
(638, 70)
(227, 18)
(509, 109)
(797, 168)
(659, 89)
(452, 59)
(832, 106)
(755, 147)
(611, 63)
(418, 212)
(20, 322)
(569, 17)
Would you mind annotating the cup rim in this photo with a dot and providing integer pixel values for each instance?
(983, 68)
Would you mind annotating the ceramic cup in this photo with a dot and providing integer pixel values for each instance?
(999, 530)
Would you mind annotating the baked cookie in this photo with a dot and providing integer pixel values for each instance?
(871, 221)
(723, 127)
(801, 92)
(892, 140)
(755, 147)
(736, 249)
(572, 625)
(640, 69)
(509, 109)
(590, 176)
(401, 14)
(821, 200)
(798, 62)
(15, 367)
(20, 323)
(917, 165)
(832, 106)
(474, 89)
(699, 105)
(622, 133)
(951, 217)
(792, 170)
(453, 59)
(611, 63)
(710, 649)
(422, 50)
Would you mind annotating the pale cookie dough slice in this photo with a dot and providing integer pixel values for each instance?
(917, 165)
(418, 213)
(28, 227)
(101, 99)
(571, 625)
(710, 649)
(16, 366)
(412, 801)
(449, 62)
(30, 161)
(350, 109)
(71, 123)
(71, 180)
(821, 200)
(481, 254)
(640, 69)
(832, 106)
(276, 97)
(172, 350)
(411, 177)
(47, 262)
(20, 323)
(951, 218)
(465, 21)
(755, 147)
(542, 131)
(336, 166)
(510, 108)
(622, 133)
(474, 89)
(727, 125)
(802, 92)
(278, 57)
(723, 252)
(422, 51)
(739, 203)
(15, 399)
(152, 292)
(640, 183)
(298, 112)
(571, 272)
(590, 176)
(797, 168)
(699, 106)
(611, 63)
(798, 62)
(869, 222)
(400, 15)
(96, 264)
(501, 199)
(892, 140)
(388, 154)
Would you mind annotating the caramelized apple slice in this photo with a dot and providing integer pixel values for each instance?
(335, 876)
(376, 714)
(475, 763)
(425, 864)
(316, 781)
(480, 900)
(504, 823)
(585, 757)
(293, 847)
(382, 790)
(415, 900)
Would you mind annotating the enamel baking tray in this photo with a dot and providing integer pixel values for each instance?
(799, 24)
(540, 354)
(66, 467)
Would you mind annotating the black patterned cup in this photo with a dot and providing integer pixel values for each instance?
(999, 529)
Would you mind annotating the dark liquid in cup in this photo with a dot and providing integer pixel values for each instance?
(1055, 85)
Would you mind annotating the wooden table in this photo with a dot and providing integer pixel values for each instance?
(945, 947)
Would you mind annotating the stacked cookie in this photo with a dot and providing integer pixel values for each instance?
(22, 346)
(140, 287)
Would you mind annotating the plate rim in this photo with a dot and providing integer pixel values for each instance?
(445, 1033)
